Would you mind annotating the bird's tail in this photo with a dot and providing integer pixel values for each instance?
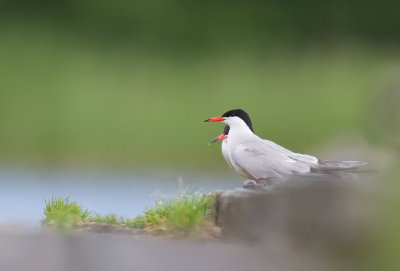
(324, 165)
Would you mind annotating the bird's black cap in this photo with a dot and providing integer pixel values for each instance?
(241, 114)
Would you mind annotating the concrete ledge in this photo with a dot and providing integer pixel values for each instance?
(301, 212)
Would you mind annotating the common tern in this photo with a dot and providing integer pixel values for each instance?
(262, 160)
(222, 137)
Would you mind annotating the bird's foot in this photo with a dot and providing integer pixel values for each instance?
(253, 185)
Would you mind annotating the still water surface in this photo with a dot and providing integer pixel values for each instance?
(23, 192)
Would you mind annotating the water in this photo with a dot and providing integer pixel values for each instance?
(23, 192)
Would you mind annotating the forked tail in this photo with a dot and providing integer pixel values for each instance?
(324, 165)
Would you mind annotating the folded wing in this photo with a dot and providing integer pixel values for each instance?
(260, 160)
(265, 159)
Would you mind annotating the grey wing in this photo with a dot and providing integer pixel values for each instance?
(305, 158)
(315, 163)
(262, 161)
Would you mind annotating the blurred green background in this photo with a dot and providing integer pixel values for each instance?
(128, 84)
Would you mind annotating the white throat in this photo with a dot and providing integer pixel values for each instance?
(238, 129)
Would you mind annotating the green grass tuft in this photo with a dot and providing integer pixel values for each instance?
(136, 223)
(108, 219)
(185, 214)
(63, 214)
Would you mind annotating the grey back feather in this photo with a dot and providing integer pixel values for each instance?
(265, 159)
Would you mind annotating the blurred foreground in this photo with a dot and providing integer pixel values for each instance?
(40, 252)
(303, 225)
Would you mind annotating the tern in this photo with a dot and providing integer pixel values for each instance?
(223, 137)
(259, 159)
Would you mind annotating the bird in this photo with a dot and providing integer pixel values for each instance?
(262, 160)
(222, 137)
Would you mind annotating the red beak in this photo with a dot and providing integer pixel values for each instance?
(222, 137)
(219, 138)
(215, 119)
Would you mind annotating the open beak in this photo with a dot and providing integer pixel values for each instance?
(215, 119)
(219, 138)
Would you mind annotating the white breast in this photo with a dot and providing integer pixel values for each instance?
(225, 153)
